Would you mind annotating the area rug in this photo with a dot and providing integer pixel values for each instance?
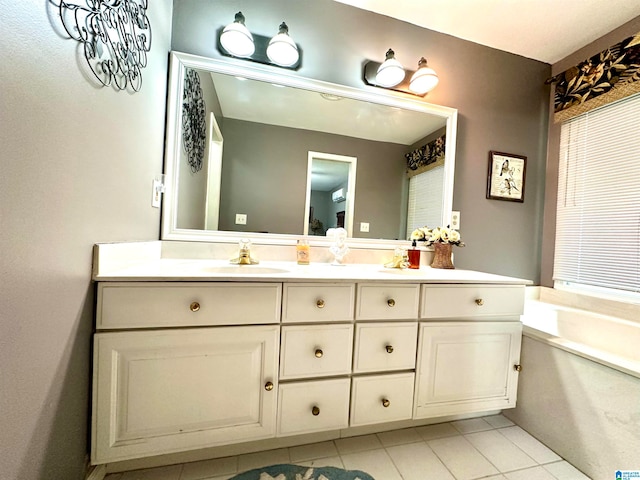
(296, 472)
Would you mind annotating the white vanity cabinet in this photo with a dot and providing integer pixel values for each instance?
(469, 349)
(189, 365)
(166, 390)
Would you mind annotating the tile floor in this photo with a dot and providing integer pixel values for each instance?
(491, 448)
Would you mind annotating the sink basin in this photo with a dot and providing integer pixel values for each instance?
(245, 270)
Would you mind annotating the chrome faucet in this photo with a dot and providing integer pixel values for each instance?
(244, 254)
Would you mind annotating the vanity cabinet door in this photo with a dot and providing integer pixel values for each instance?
(164, 391)
(466, 367)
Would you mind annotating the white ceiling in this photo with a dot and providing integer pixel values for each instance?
(545, 30)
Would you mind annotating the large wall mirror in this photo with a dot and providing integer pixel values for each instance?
(238, 148)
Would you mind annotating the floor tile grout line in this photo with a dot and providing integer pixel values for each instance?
(541, 443)
(427, 445)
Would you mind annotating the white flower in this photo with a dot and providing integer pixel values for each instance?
(454, 236)
(417, 234)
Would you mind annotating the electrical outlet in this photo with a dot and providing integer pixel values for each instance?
(241, 218)
(455, 220)
(364, 227)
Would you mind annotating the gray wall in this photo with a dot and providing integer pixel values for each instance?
(553, 147)
(266, 178)
(501, 99)
(77, 162)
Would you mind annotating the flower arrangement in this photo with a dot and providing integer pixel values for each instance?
(437, 235)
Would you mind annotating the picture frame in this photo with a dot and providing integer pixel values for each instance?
(506, 176)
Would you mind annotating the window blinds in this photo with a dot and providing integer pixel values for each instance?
(426, 185)
(598, 206)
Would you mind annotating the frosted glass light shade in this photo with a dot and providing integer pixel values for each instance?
(282, 50)
(237, 39)
(391, 72)
(424, 79)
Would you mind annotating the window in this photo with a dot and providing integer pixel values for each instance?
(598, 209)
(426, 185)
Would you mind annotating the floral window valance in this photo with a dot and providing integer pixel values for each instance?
(604, 78)
(426, 157)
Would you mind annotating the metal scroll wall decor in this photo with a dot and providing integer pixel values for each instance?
(115, 37)
(194, 127)
(426, 157)
(604, 78)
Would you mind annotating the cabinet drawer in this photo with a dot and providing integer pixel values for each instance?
(317, 302)
(385, 346)
(146, 304)
(315, 350)
(472, 301)
(387, 302)
(305, 407)
(381, 398)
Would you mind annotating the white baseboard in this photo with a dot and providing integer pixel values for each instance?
(97, 472)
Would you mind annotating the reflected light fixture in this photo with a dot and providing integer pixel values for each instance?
(237, 39)
(391, 72)
(282, 50)
(424, 79)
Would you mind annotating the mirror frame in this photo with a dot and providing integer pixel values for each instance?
(178, 62)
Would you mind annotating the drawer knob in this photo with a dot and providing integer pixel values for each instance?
(479, 302)
(386, 402)
(391, 302)
(389, 348)
(319, 353)
(320, 303)
(268, 386)
(194, 307)
(517, 368)
(315, 411)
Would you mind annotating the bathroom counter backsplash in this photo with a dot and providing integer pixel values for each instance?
(167, 261)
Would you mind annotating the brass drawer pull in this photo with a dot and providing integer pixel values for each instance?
(320, 303)
(389, 348)
(386, 402)
(319, 353)
(391, 302)
(517, 368)
(268, 386)
(194, 307)
(315, 411)
(479, 302)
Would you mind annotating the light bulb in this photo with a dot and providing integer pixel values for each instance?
(237, 39)
(424, 79)
(391, 72)
(282, 50)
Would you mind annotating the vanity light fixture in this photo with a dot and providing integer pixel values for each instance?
(424, 79)
(391, 72)
(237, 39)
(282, 50)
(391, 75)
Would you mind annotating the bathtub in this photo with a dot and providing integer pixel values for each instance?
(579, 389)
(608, 340)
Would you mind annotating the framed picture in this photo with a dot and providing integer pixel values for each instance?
(505, 180)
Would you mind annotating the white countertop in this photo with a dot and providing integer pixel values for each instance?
(165, 269)
(158, 261)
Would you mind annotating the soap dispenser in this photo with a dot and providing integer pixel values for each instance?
(414, 255)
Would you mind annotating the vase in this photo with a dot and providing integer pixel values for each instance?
(442, 255)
